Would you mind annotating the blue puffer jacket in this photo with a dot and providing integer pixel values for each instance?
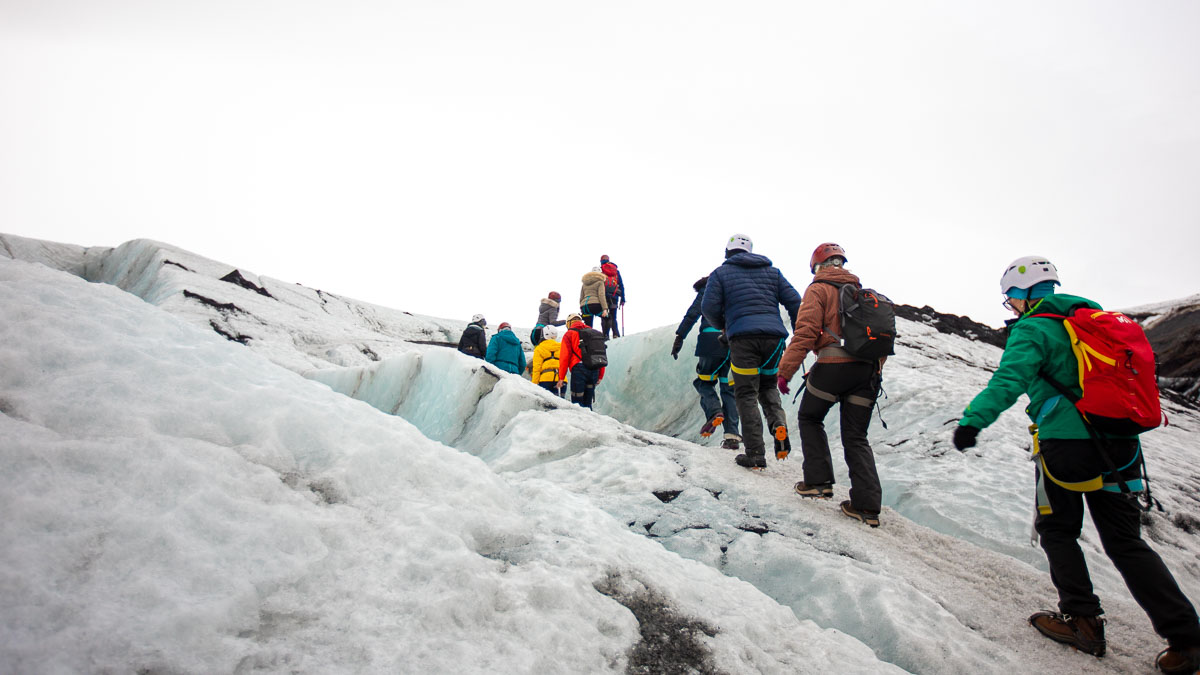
(504, 351)
(708, 343)
(744, 294)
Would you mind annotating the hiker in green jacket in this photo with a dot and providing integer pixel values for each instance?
(1039, 348)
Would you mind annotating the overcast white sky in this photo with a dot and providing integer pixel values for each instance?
(448, 158)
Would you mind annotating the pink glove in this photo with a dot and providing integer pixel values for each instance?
(782, 382)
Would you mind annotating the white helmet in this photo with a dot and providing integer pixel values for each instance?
(1027, 271)
(478, 318)
(740, 242)
(549, 332)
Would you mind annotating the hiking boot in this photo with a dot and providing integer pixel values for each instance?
(814, 491)
(1179, 660)
(783, 448)
(711, 425)
(758, 462)
(867, 517)
(1085, 633)
(731, 442)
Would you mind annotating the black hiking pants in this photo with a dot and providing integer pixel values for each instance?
(590, 312)
(583, 384)
(608, 324)
(856, 386)
(755, 360)
(1117, 520)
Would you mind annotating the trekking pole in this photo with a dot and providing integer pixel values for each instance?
(624, 329)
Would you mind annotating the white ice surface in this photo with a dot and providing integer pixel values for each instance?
(944, 586)
(176, 503)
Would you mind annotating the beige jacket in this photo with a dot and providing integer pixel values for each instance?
(592, 291)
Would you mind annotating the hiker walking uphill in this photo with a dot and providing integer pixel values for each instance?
(712, 368)
(837, 377)
(592, 300)
(742, 298)
(583, 355)
(614, 293)
(547, 316)
(1078, 461)
(504, 350)
(474, 341)
(544, 371)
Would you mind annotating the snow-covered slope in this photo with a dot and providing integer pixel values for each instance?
(175, 503)
(943, 586)
(294, 326)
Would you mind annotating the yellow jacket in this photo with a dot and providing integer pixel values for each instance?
(545, 361)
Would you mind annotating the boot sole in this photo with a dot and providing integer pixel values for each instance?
(762, 467)
(710, 427)
(823, 494)
(873, 521)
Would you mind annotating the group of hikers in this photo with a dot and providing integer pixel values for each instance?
(581, 354)
(1088, 374)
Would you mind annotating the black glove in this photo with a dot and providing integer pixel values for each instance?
(723, 340)
(964, 437)
(676, 347)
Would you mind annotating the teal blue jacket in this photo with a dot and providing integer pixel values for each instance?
(504, 351)
(1035, 345)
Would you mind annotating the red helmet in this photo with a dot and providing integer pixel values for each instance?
(554, 296)
(503, 325)
(825, 252)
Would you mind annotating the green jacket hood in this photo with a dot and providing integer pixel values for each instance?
(1059, 303)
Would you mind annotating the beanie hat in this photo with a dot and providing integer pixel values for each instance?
(554, 296)
(603, 258)
(503, 326)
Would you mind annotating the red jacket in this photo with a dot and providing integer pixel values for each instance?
(569, 353)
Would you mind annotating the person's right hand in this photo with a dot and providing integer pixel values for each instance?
(783, 384)
(964, 437)
(676, 347)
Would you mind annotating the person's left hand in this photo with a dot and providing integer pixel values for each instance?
(783, 385)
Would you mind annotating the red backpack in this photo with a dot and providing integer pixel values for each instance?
(610, 278)
(1117, 372)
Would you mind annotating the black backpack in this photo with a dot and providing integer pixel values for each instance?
(469, 345)
(868, 322)
(593, 350)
